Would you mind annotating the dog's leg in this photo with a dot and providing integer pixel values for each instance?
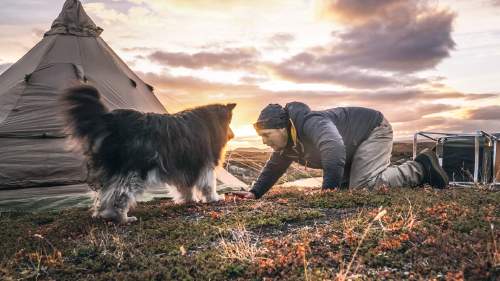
(117, 199)
(133, 187)
(207, 184)
(186, 195)
(97, 204)
(122, 206)
(103, 204)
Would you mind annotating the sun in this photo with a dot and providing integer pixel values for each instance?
(244, 131)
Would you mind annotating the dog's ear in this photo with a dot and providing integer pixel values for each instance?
(231, 106)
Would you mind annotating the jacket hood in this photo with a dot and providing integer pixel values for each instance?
(298, 111)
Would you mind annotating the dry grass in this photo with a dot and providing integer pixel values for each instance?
(352, 236)
(495, 252)
(108, 242)
(240, 245)
(33, 264)
(290, 234)
(344, 274)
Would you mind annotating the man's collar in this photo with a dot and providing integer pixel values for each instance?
(296, 144)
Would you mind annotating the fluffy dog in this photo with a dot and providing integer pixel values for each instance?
(128, 150)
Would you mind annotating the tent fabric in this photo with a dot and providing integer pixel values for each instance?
(33, 150)
(28, 162)
(45, 198)
(30, 106)
(71, 196)
(74, 20)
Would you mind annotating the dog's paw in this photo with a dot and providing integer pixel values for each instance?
(130, 219)
(217, 197)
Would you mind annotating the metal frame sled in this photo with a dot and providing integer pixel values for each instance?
(469, 159)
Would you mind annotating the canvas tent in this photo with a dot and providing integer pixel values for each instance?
(35, 163)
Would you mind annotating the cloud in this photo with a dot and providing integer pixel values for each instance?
(281, 40)
(397, 95)
(472, 97)
(205, 5)
(195, 89)
(106, 14)
(253, 79)
(384, 43)
(469, 126)
(306, 68)
(441, 124)
(349, 11)
(38, 32)
(404, 43)
(408, 110)
(27, 12)
(137, 49)
(415, 112)
(403, 99)
(450, 125)
(383, 48)
(485, 113)
(226, 59)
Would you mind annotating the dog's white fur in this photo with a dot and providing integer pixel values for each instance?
(205, 191)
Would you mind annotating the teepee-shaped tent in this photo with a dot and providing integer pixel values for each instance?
(33, 151)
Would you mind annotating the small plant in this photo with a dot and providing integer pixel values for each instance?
(240, 245)
(495, 252)
(344, 273)
(108, 243)
(33, 264)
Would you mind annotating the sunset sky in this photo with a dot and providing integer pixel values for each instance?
(427, 65)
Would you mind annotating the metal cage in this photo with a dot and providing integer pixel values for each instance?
(468, 158)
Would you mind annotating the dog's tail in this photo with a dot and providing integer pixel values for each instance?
(83, 114)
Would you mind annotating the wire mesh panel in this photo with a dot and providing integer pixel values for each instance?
(459, 159)
(467, 158)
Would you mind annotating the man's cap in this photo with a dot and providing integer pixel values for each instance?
(273, 116)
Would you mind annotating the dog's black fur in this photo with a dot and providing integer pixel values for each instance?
(128, 150)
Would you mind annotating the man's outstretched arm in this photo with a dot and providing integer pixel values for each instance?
(273, 170)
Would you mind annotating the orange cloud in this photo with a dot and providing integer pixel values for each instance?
(485, 113)
(409, 110)
(355, 11)
(226, 59)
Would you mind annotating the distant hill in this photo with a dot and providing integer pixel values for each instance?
(251, 149)
(400, 149)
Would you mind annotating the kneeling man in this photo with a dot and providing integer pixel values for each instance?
(352, 145)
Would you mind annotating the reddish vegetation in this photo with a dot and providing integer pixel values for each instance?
(290, 234)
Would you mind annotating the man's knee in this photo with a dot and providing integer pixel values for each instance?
(373, 183)
(361, 183)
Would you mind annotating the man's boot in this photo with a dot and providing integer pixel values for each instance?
(434, 175)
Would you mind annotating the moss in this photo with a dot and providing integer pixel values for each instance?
(450, 230)
(235, 270)
(277, 218)
(42, 219)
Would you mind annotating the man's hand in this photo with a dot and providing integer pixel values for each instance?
(244, 194)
